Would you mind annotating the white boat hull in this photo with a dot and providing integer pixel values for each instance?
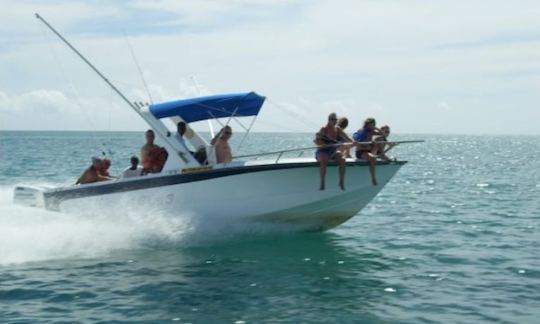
(281, 194)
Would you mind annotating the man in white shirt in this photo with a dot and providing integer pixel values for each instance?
(134, 170)
(181, 128)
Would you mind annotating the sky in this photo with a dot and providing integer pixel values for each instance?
(434, 67)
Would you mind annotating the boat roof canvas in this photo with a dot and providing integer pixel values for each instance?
(211, 107)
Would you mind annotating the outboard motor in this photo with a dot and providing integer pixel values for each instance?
(29, 196)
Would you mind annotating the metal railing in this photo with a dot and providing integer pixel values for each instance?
(301, 150)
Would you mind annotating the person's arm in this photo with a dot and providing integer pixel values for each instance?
(143, 153)
(215, 139)
(319, 138)
(80, 180)
(344, 135)
(103, 178)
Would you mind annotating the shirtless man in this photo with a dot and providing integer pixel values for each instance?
(221, 145)
(150, 137)
(146, 149)
(91, 174)
(105, 165)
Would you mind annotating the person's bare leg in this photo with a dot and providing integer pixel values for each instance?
(374, 151)
(371, 160)
(341, 161)
(323, 162)
(346, 149)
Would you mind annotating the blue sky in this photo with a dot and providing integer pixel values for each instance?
(470, 67)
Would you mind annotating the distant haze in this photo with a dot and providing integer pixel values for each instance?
(445, 66)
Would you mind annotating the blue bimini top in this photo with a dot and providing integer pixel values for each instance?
(211, 107)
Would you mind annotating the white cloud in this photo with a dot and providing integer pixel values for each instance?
(207, 12)
(354, 57)
(37, 100)
(48, 100)
(18, 16)
(54, 110)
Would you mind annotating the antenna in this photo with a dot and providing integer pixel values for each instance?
(199, 93)
(133, 106)
(138, 68)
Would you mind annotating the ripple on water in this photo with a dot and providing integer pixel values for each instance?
(453, 238)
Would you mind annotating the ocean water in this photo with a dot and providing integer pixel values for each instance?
(453, 238)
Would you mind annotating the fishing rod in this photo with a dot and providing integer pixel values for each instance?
(133, 106)
(136, 109)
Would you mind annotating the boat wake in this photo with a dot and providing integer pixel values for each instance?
(30, 234)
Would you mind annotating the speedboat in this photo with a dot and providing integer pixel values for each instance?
(250, 188)
(265, 188)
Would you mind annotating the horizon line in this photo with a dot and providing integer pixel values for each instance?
(264, 132)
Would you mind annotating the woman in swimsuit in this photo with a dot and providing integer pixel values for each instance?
(363, 150)
(327, 140)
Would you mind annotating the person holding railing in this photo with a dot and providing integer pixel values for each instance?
(380, 142)
(105, 165)
(92, 174)
(364, 149)
(343, 137)
(221, 145)
(329, 149)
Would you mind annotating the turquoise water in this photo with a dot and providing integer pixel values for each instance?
(454, 238)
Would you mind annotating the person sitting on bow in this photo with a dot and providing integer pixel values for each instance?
(364, 147)
(329, 149)
(380, 142)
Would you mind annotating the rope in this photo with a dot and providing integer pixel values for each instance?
(298, 117)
